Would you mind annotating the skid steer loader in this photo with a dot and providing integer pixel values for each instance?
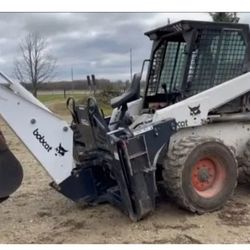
(187, 133)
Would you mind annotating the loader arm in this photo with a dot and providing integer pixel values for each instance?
(194, 111)
(47, 137)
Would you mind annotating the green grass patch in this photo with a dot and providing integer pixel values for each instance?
(58, 97)
(57, 103)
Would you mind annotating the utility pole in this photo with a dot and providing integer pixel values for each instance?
(72, 74)
(72, 79)
(131, 65)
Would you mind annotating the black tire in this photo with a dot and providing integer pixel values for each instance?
(244, 165)
(180, 168)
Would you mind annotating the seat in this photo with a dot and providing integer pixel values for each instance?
(131, 94)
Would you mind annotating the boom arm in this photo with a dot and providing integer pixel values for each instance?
(49, 138)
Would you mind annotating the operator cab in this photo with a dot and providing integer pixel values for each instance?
(189, 57)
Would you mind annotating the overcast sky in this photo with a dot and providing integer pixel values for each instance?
(96, 43)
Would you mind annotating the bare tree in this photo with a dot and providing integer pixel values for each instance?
(230, 17)
(35, 65)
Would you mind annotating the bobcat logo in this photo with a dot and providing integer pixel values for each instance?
(194, 110)
(60, 150)
(41, 139)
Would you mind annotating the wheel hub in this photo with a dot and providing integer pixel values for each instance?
(204, 174)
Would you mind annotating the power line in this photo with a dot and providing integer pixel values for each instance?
(131, 65)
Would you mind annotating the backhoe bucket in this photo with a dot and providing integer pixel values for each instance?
(11, 172)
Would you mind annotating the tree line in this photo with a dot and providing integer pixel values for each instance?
(80, 85)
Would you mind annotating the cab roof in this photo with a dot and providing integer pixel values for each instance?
(185, 25)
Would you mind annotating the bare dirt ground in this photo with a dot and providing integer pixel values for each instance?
(38, 214)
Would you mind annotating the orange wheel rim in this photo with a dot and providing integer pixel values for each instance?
(208, 177)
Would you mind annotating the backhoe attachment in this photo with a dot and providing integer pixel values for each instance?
(115, 166)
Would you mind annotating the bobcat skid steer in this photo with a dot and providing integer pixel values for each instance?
(187, 133)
